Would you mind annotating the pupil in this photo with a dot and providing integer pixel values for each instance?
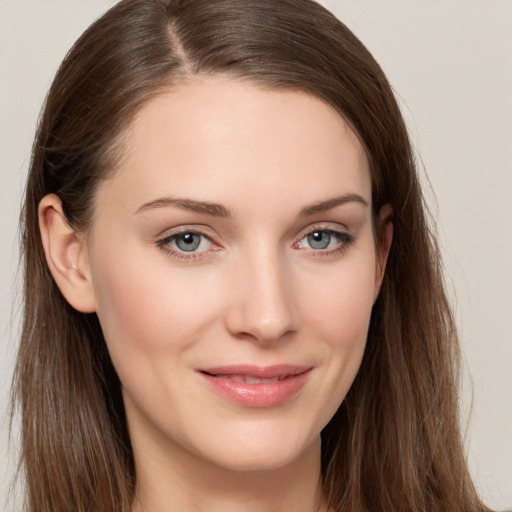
(188, 242)
(319, 240)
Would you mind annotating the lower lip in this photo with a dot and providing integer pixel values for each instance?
(262, 394)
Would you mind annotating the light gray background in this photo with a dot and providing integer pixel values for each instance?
(450, 62)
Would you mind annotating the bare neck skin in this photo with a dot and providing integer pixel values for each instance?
(233, 267)
(181, 482)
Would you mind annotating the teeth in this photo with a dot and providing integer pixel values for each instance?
(236, 378)
(251, 380)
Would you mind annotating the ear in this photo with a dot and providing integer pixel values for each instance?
(66, 255)
(384, 238)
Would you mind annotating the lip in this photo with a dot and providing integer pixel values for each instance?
(239, 383)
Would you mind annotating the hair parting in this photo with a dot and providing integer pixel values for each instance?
(394, 444)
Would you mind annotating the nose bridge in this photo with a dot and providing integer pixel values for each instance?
(263, 307)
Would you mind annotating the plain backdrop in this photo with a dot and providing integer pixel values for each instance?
(450, 64)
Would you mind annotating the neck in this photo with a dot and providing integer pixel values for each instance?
(178, 481)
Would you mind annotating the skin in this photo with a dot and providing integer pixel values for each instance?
(255, 290)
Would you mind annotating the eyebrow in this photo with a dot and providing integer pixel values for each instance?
(214, 209)
(218, 210)
(329, 204)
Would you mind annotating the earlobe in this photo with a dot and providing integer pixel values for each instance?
(385, 238)
(66, 255)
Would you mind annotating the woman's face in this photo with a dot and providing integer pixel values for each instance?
(234, 269)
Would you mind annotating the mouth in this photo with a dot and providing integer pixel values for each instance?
(256, 386)
(248, 379)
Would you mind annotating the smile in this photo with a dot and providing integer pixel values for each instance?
(252, 380)
(255, 386)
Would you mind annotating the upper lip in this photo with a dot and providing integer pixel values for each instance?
(279, 371)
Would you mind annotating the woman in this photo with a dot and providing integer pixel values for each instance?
(233, 298)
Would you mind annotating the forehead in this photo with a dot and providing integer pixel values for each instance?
(212, 138)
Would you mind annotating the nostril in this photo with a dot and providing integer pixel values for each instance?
(261, 307)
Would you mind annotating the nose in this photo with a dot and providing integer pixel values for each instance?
(261, 304)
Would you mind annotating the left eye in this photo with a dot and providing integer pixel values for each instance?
(323, 239)
(188, 242)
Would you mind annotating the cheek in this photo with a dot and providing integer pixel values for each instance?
(143, 306)
(339, 319)
(151, 319)
(340, 305)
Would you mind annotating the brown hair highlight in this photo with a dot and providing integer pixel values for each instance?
(394, 444)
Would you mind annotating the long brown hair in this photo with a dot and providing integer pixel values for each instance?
(394, 444)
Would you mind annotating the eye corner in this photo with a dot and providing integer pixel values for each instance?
(337, 241)
(187, 244)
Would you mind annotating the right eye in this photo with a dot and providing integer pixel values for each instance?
(189, 242)
(186, 244)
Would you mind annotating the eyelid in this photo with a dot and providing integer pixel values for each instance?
(163, 242)
(198, 229)
(341, 232)
(173, 236)
(323, 226)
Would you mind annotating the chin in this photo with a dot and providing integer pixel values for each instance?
(265, 452)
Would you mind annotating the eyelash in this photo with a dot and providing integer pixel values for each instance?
(165, 242)
(343, 238)
(344, 241)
